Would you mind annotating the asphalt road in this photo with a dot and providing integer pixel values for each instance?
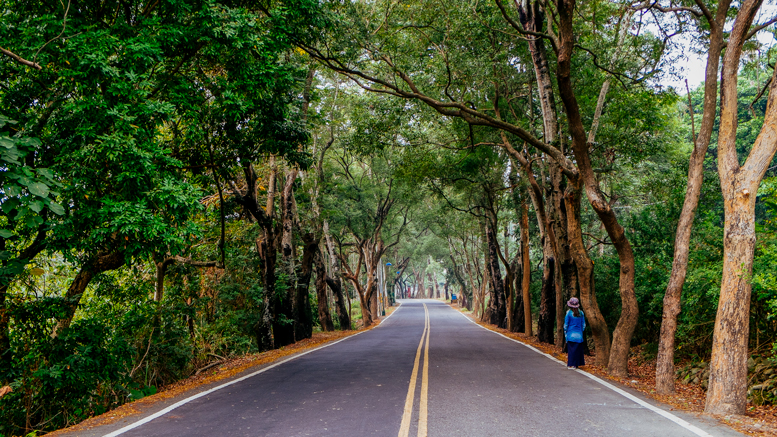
(427, 370)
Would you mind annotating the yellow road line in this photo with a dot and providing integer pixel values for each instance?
(422, 409)
(404, 429)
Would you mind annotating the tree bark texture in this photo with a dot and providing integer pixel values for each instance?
(585, 277)
(497, 302)
(525, 270)
(324, 317)
(727, 393)
(342, 311)
(547, 319)
(624, 330)
(303, 322)
(519, 315)
(665, 369)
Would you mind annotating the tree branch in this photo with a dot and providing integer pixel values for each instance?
(20, 60)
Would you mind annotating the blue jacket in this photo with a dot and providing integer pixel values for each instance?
(574, 326)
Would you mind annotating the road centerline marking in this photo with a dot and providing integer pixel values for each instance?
(423, 406)
(404, 429)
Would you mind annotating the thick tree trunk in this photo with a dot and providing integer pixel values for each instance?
(585, 277)
(519, 315)
(525, 270)
(665, 369)
(727, 393)
(619, 352)
(374, 302)
(288, 219)
(303, 322)
(510, 293)
(497, 302)
(324, 317)
(547, 318)
(566, 277)
(342, 311)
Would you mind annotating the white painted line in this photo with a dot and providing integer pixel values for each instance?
(627, 395)
(234, 381)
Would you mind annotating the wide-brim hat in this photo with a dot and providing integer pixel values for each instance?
(573, 303)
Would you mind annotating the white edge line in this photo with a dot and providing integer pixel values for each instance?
(234, 381)
(627, 395)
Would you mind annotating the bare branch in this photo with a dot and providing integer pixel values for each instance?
(20, 60)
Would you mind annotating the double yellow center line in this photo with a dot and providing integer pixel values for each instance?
(404, 429)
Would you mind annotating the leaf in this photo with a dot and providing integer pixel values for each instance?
(48, 174)
(36, 206)
(7, 142)
(37, 271)
(56, 208)
(13, 190)
(10, 205)
(38, 189)
(6, 233)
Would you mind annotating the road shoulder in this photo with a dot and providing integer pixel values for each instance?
(232, 370)
(711, 424)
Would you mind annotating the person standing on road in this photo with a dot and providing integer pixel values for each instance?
(574, 324)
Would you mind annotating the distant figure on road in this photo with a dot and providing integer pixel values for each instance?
(574, 324)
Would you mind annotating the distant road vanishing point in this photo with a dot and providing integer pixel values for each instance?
(426, 370)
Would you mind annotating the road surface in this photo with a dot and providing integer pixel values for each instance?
(426, 370)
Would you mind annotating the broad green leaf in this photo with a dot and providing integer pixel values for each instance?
(13, 190)
(7, 142)
(56, 208)
(45, 172)
(10, 205)
(6, 233)
(38, 189)
(36, 206)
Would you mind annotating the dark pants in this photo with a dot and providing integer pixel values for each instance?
(575, 354)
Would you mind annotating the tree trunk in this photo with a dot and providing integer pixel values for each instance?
(665, 369)
(585, 276)
(342, 312)
(497, 302)
(303, 322)
(519, 315)
(566, 277)
(161, 271)
(727, 393)
(619, 352)
(525, 270)
(545, 332)
(324, 317)
(288, 219)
